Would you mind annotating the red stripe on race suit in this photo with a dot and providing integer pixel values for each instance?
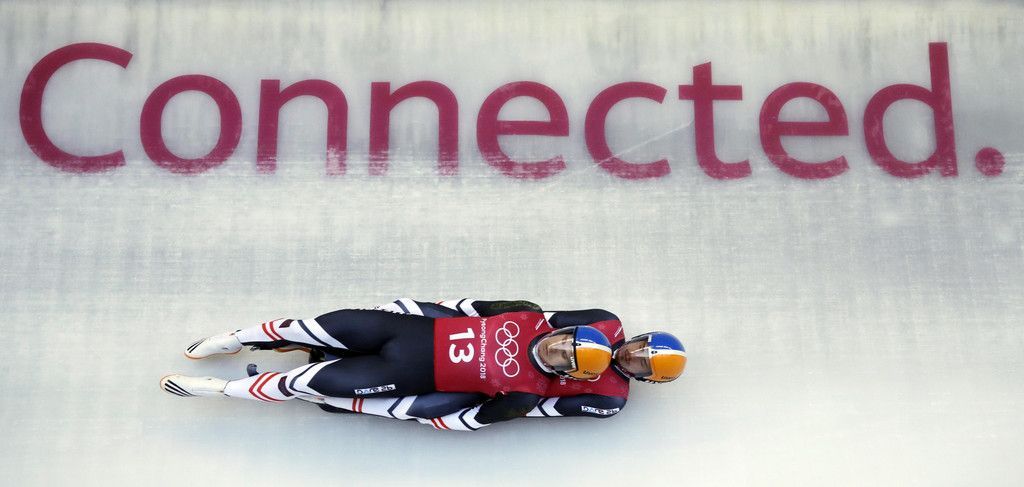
(252, 388)
(260, 383)
(255, 385)
(269, 329)
(439, 420)
(264, 384)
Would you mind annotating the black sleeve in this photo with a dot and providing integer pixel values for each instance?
(434, 310)
(437, 404)
(592, 405)
(562, 319)
(507, 406)
(491, 308)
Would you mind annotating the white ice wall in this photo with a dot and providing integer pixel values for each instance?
(858, 330)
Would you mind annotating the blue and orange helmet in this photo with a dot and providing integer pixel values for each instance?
(652, 357)
(578, 352)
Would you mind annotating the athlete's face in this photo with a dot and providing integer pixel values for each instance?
(633, 357)
(556, 352)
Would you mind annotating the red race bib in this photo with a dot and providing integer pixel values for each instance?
(489, 355)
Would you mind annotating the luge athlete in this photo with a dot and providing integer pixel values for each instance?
(511, 358)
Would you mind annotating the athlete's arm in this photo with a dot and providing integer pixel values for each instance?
(491, 308)
(421, 308)
(430, 405)
(457, 307)
(562, 319)
(592, 405)
(443, 410)
(501, 408)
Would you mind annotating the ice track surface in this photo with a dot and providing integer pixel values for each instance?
(860, 330)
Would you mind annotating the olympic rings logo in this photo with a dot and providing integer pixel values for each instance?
(508, 348)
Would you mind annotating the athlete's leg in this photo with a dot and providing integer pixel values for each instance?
(426, 406)
(403, 360)
(372, 331)
(276, 386)
(366, 331)
(280, 332)
(371, 376)
(365, 376)
(267, 387)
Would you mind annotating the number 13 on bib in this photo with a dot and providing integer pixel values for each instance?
(488, 355)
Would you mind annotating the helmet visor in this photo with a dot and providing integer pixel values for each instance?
(557, 351)
(634, 357)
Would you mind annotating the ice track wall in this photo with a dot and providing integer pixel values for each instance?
(849, 289)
